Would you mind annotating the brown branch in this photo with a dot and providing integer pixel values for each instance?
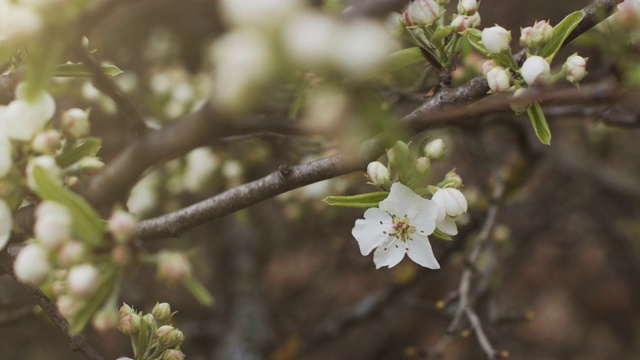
(76, 342)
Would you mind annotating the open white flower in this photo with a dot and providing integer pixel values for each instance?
(400, 225)
(451, 204)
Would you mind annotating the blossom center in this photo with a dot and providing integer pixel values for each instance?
(402, 229)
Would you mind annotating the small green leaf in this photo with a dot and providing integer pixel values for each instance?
(539, 123)
(81, 71)
(89, 147)
(362, 201)
(198, 290)
(440, 235)
(441, 33)
(86, 222)
(560, 34)
(474, 36)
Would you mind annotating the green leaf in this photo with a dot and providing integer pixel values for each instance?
(441, 33)
(198, 290)
(82, 71)
(86, 223)
(439, 234)
(398, 60)
(362, 201)
(474, 36)
(560, 34)
(89, 147)
(539, 123)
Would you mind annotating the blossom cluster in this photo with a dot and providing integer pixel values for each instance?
(153, 335)
(403, 221)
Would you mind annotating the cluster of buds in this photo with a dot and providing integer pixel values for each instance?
(468, 16)
(404, 166)
(153, 335)
(537, 35)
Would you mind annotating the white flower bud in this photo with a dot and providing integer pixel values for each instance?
(422, 164)
(460, 23)
(105, 320)
(122, 226)
(378, 173)
(474, 20)
(535, 70)
(421, 13)
(575, 68)
(173, 267)
(544, 29)
(451, 202)
(467, 7)
(530, 37)
(498, 79)
(53, 224)
(70, 253)
(32, 265)
(496, 39)
(75, 123)
(46, 142)
(487, 66)
(83, 280)
(517, 104)
(435, 149)
(6, 160)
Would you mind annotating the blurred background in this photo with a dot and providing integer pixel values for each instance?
(560, 278)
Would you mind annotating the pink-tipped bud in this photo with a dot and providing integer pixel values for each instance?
(105, 320)
(75, 123)
(173, 267)
(468, 7)
(71, 252)
(162, 312)
(498, 79)
(122, 226)
(535, 70)
(46, 142)
(421, 13)
(130, 324)
(575, 68)
(378, 173)
(125, 310)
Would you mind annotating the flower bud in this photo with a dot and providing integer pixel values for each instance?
(105, 320)
(172, 354)
(120, 254)
(468, 7)
(125, 310)
(68, 305)
(544, 29)
(575, 68)
(122, 226)
(53, 224)
(164, 335)
(174, 267)
(535, 70)
(517, 104)
(148, 320)
(530, 37)
(75, 123)
(461, 23)
(89, 165)
(46, 142)
(435, 149)
(130, 324)
(496, 39)
(450, 203)
(378, 173)
(498, 79)
(32, 265)
(162, 312)
(398, 153)
(453, 180)
(71, 252)
(421, 13)
(474, 20)
(422, 164)
(487, 66)
(83, 280)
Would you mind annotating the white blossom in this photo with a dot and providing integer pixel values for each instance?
(400, 225)
(421, 12)
(32, 265)
(496, 39)
(451, 203)
(575, 68)
(498, 79)
(83, 280)
(535, 70)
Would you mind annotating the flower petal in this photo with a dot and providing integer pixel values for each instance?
(448, 226)
(389, 254)
(420, 251)
(370, 232)
(425, 220)
(438, 198)
(401, 201)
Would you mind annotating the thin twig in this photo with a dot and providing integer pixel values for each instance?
(76, 342)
